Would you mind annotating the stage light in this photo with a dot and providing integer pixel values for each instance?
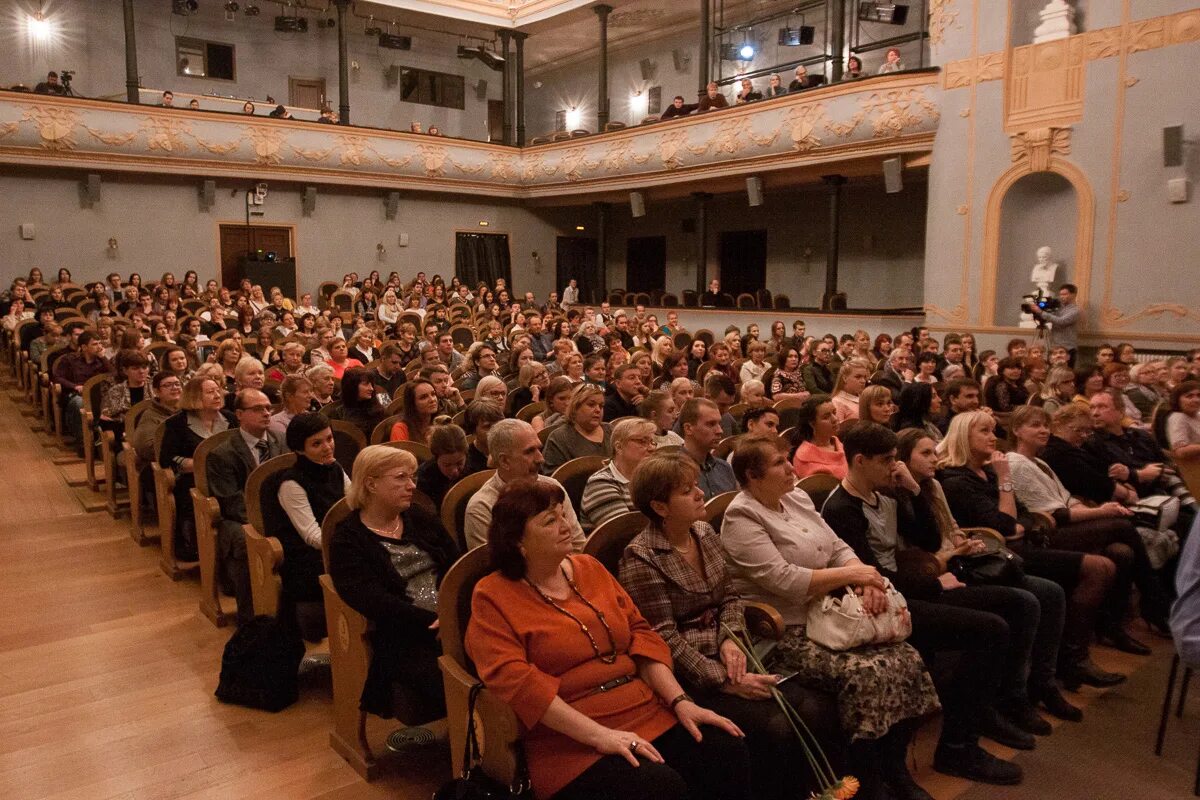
(746, 52)
(574, 119)
(38, 28)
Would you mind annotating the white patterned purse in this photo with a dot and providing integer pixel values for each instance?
(841, 623)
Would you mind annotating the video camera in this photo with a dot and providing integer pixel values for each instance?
(1040, 301)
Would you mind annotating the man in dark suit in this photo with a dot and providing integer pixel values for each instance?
(896, 373)
(229, 466)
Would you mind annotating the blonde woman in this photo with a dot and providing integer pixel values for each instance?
(851, 380)
(389, 310)
(584, 434)
(661, 408)
(875, 404)
(229, 353)
(387, 560)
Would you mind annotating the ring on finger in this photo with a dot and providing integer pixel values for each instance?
(633, 746)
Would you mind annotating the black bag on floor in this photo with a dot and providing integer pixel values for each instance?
(260, 665)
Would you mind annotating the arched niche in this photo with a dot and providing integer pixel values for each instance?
(1024, 18)
(1026, 210)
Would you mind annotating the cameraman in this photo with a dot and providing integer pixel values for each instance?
(1064, 320)
(50, 85)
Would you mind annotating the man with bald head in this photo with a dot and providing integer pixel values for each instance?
(228, 467)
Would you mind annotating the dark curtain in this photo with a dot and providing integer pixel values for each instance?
(482, 258)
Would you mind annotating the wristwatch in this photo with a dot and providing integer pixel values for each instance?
(1007, 486)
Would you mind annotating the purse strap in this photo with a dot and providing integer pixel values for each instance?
(472, 756)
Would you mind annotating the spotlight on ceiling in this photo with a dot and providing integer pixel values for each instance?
(746, 52)
(184, 7)
(252, 10)
(232, 7)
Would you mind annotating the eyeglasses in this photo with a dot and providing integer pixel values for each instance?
(644, 441)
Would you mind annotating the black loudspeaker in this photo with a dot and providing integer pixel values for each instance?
(481, 89)
(794, 37)
(681, 59)
(208, 195)
(89, 190)
(1173, 146)
(892, 181)
(309, 203)
(688, 225)
(637, 204)
(754, 190)
(391, 76)
(648, 68)
(391, 205)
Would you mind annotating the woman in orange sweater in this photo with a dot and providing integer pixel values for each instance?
(556, 637)
(817, 449)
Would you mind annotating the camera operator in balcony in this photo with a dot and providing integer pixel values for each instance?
(50, 85)
(1064, 320)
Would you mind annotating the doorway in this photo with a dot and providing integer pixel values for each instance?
(645, 263)
(578, 257)
(258, 243)
(495, 121)
(743, 262)
(306, 92)
(482, 258)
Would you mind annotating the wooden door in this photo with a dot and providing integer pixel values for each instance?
(306, 92)
(238, 241)
(495, 121)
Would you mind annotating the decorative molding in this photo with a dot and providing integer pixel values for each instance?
(1038, 146)
(1045, 85)
(942, 14)
(970, 71)
(1110, 315)
(1085, 231)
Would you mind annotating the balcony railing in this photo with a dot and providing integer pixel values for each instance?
(885, 115)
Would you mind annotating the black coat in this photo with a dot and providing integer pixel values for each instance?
(404, 648)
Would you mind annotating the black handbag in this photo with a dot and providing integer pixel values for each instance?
(261, 664)
(995, 566)
(473, 784)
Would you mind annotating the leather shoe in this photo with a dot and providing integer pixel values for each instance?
(1120, 640)
(1027, 719)
(1087, 673)
(976, 764)
(1056, 705)
(1000, 730)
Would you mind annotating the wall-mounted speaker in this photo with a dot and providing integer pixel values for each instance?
(680, 58)
(892, 181)
(391, 76)
(637, 204)
(648, 68)
(308, 204)
(89, 190)
(391, 205)
(1173, 146)
(481, 89)
(208, 195)
(754, 190)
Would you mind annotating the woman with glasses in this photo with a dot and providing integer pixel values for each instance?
(606, 494)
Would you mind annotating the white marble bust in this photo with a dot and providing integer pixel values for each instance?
(1044, 270)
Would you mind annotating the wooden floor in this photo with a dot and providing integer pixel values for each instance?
(107, 671)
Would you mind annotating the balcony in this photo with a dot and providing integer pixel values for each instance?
(882, 116)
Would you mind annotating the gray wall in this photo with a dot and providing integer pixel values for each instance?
(93, 43)
(882, 244)
(159, 228)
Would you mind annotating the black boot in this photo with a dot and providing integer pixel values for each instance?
(864, 765)
(893, 748)
(1055, 704)
(1087, 673)
(1117, 638)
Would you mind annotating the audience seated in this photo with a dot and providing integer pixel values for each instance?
(448, 444)
(584, 434)
(548, 627)
(387, 560)
(780, 552)
(359, 406)
(607, 493)
(166, 390)
(675, 572)
(700, 422)
(815, 446)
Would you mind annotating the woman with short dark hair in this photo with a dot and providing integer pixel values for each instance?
(359, 406)
(555, 636)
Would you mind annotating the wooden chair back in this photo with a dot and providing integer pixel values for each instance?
(264, 553)
(134, 473)
(818, 487)
(725, 446)
(336, 515)
(207, 512)
(529, 411)
(706, 336)
(573, 476)
(93, 399)
(164, 496)
(607, 543)
(383, 431)
(200, 457)
(498, 729)
(714, 509)
(1189, 472)
(454, 504)
(348, 440)
(418, 449)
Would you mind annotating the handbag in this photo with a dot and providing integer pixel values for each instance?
(995, 566)
(473, 783)
(841, 623)
(1158, 511)
(260, 665)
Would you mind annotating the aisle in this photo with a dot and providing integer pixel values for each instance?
(107, 669)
